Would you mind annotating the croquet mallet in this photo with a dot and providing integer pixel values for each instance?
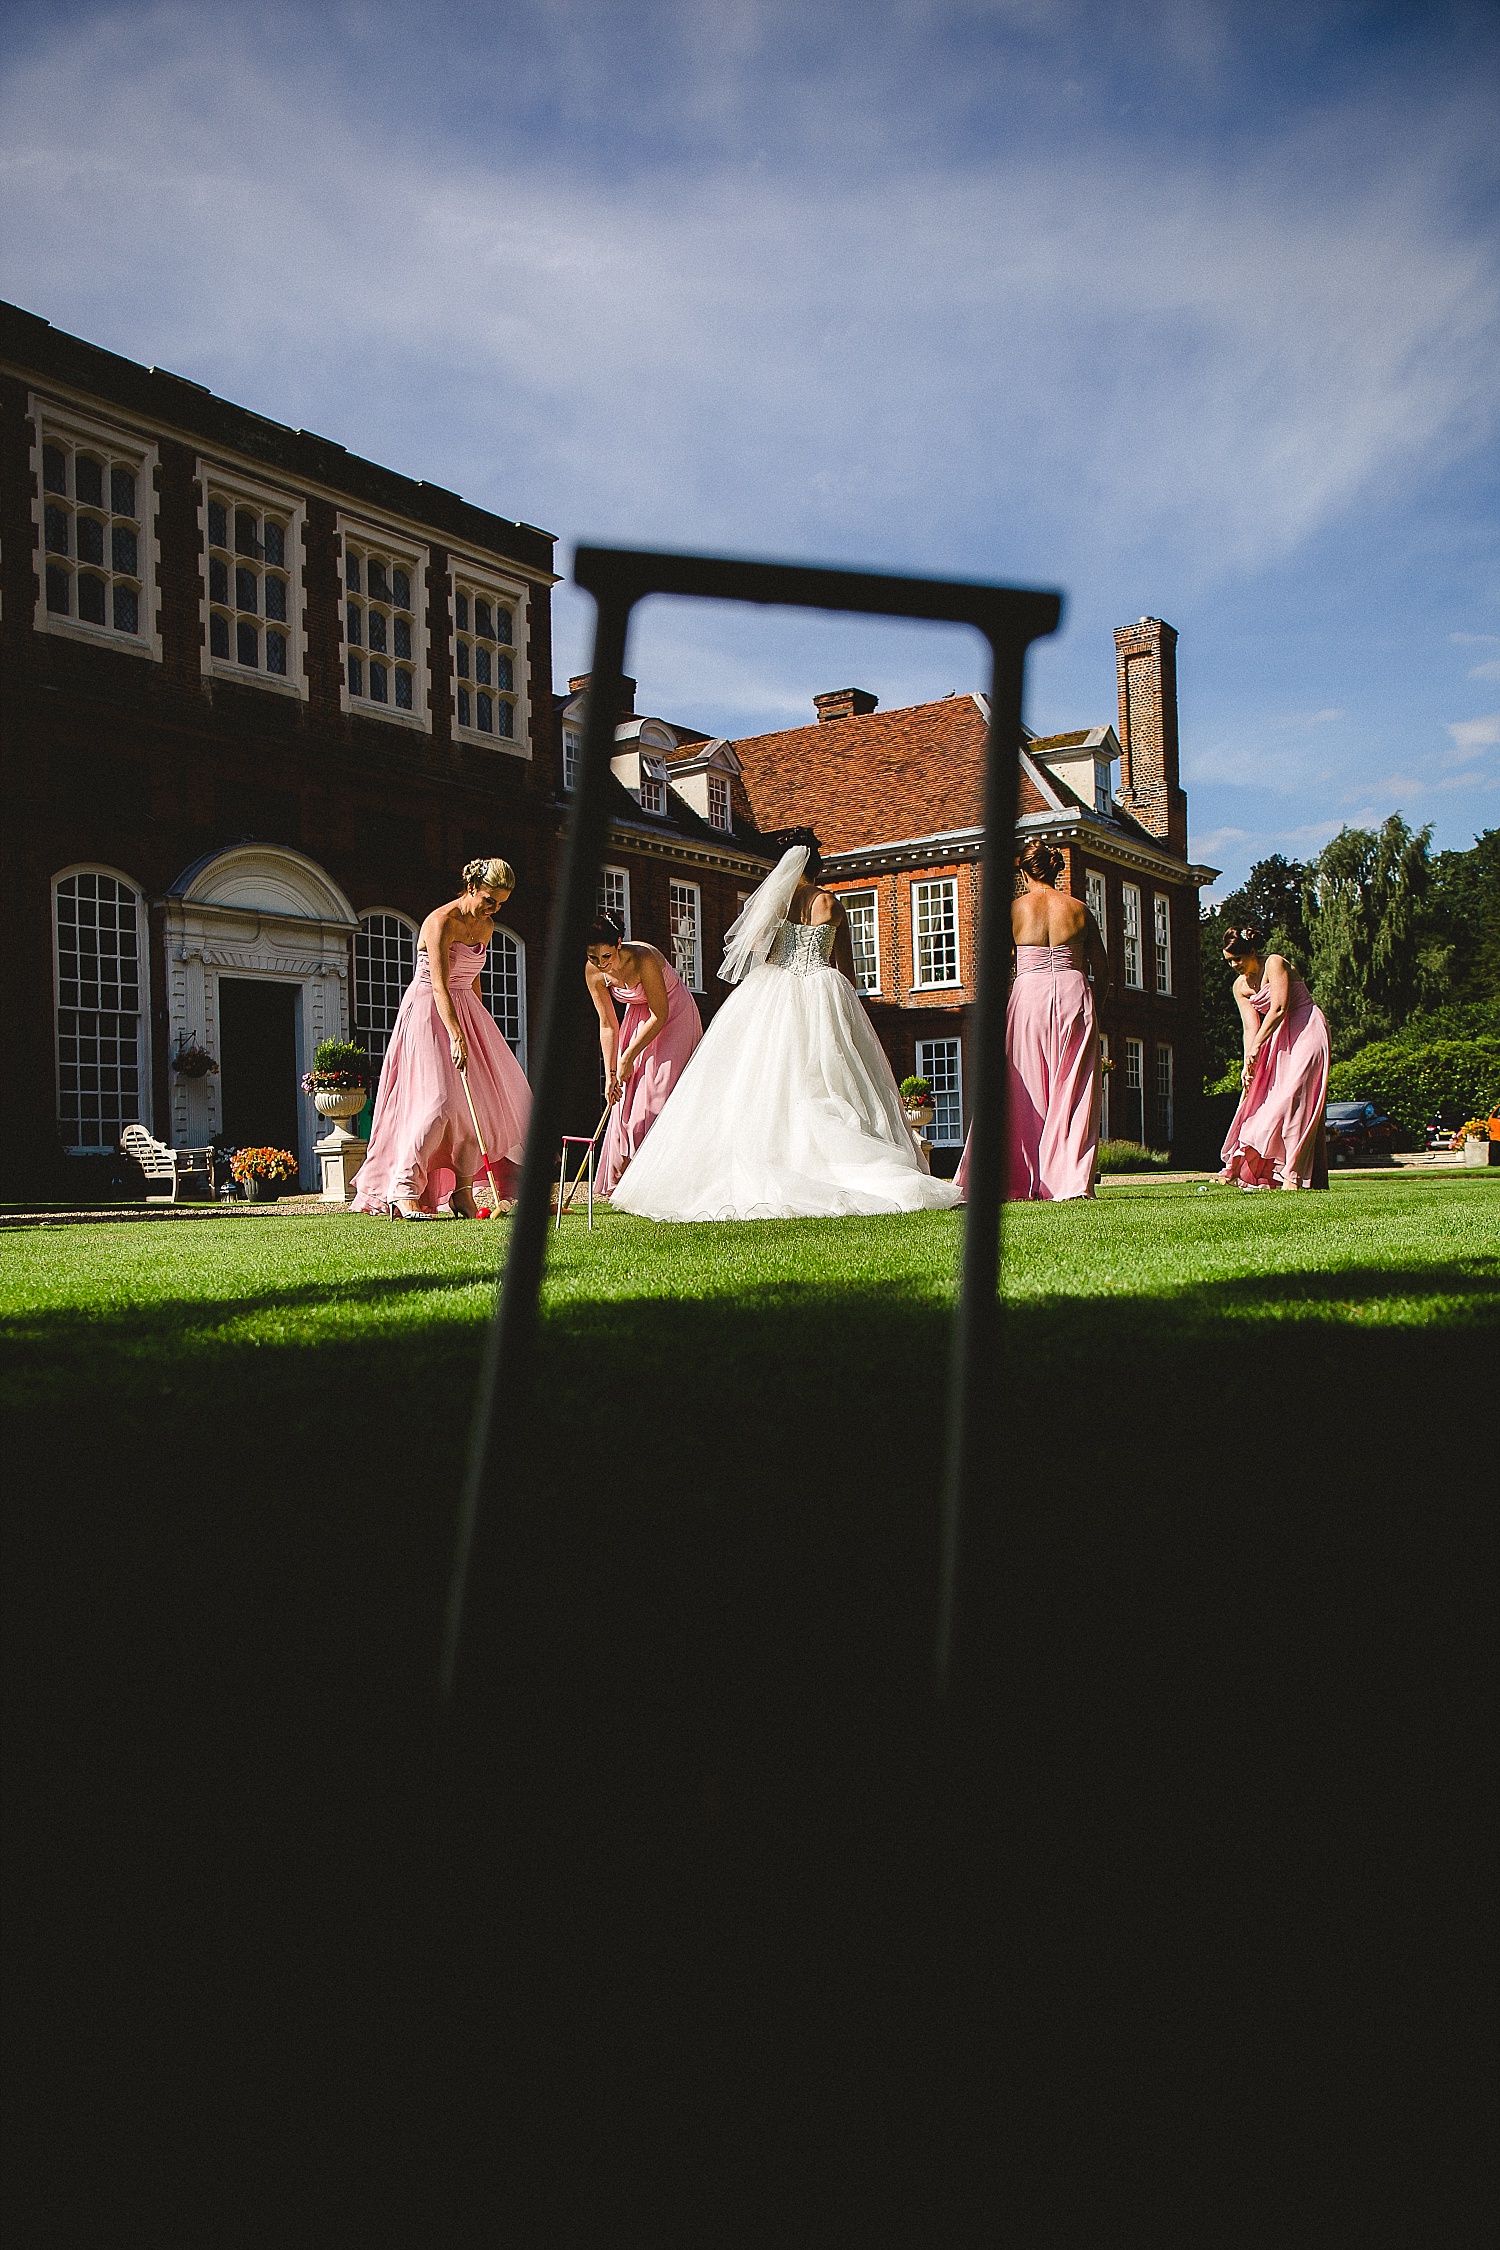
(483, 1151)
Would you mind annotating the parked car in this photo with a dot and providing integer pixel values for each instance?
(1441, 1129)
(1358, 1133)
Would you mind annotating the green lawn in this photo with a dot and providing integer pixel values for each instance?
(1209, 1755)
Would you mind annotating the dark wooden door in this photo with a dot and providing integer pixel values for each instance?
(258, 1063)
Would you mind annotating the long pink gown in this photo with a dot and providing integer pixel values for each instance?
(422, 1139)
(656, 1071)
(1052, 1118)
(1277, 1138)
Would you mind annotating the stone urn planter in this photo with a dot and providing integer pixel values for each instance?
(340, 1101)
(920, 1115)
(1477, 1151)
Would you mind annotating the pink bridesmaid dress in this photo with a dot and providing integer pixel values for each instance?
(1277, 1138)
(422, 1139)
(656, 1071)
(1052, 1121)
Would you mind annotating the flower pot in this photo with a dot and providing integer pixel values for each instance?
(1476, 1151)
(920, 1114)
(339, 1101)
(261, 1191)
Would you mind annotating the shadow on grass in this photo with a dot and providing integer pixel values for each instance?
(701, 1914)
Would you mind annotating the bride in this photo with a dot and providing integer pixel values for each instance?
(788, 1110)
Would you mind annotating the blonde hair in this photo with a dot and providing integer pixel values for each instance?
(494, 874)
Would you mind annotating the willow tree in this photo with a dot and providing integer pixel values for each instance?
(1363, 909)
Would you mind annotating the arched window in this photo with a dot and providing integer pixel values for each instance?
(385, 961)
(100, 958)
(502, 988)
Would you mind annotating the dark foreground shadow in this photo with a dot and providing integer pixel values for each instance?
(701, 1923)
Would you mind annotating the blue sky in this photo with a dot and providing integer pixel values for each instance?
(1188, 308)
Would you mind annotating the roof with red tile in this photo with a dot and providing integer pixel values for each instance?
(875, 778)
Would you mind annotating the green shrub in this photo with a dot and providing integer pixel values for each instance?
(1411, 1084)
(341, 1054)
(1129, 1156)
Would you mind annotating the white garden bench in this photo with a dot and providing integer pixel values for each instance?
(190, 1171)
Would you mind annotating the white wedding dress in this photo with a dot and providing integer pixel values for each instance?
(788, 1109)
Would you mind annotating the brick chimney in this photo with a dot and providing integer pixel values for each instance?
(844, 703)
(577, 686)
(1146, 674)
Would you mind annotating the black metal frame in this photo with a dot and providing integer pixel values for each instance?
(1010, 619)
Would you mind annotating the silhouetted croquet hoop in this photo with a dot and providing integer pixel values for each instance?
(1010, 619)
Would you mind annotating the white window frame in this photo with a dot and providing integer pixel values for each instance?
(572, 752)
(515, 947)
(61, 424)
(362, 1032)
(653, 794)
(143, 1007)
(1135, 1062)
(1130, 926)
(481, 581)
(1096, 898)
(947, 1127)
(923, 893)
(720, 809)
(1161, 930)
(614, 894)
(679, 892)
(1103, 1086)
(229, 486)
(404, 553)
(1165, 1090)
(863, 900)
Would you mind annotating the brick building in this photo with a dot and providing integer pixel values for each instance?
(896, 798)
(261, 700)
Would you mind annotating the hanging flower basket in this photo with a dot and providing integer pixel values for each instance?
(193, 1061)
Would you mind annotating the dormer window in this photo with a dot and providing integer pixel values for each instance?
(653, 794)
(1101, 786)
(718, 802)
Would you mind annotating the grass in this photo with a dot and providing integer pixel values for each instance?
(699, 1827)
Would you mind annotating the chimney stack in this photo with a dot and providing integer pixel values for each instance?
(579, 684)
(1146, 675)
(844, 703)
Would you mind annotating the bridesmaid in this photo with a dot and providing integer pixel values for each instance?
(1277, 1138)
(646, 1054)
(1051, 1040)
(423, 1151)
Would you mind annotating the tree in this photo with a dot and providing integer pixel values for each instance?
(1464, 917)
(1270, 900)
(1363, 907)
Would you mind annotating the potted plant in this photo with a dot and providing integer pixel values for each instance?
(916, 1094)
(191, 1060)
(262, 1172)
(339, 1080)
(1475, 1142)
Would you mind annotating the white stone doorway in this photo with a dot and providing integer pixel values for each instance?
(253, 917)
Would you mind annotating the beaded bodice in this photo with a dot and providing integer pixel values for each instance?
(801, 948)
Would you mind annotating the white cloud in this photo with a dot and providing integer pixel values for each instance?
(999, 362)
(1476, 640)
(1489, 671)
(1472, 737)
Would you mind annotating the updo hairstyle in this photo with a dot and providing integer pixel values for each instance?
(788, 839)
(606, 929)
(1241, 943)
(494, 874)
(1042, 861)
